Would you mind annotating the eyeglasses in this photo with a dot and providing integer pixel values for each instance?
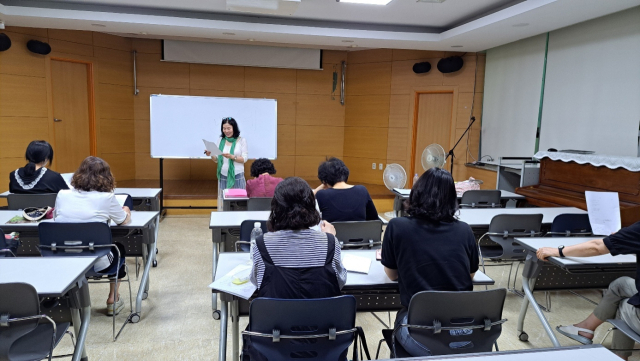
(227, 119)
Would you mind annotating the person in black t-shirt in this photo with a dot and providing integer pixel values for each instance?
(339, 201)
(621, 300)
(430, 250)
(35, 178)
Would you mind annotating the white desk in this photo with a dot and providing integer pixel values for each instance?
(582, 353)
(234, 203)
(376, 281)
(56, 277)
(398, 207)
(481, 217)
(602, 265)
(145, 221)
(149, 197)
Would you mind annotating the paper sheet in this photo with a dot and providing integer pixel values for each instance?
(604, 212)
(67, 178)
(226, 283)
(404, 192)
(212, 147)
(121, 198)
(356, 263)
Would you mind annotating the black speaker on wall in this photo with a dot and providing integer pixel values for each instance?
(450, 64)
(421, 68)
(38, 47)
(5, 42)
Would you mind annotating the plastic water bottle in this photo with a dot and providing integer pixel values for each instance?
(415, 178)
(255, 233)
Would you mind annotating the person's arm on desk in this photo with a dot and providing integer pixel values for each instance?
(591, 248)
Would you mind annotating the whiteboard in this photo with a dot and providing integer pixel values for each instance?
(179, 123)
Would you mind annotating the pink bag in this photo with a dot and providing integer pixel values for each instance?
(235, 193)
(471, 184)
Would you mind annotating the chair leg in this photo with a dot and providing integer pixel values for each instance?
(128, 320)
(607, 334)
(378, 350)
(495, 344)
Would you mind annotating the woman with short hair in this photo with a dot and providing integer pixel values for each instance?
(35, 177)
(339, 201)
(263, 184)
(431, 250)
(92, 200)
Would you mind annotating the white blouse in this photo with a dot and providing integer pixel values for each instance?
(241, 150)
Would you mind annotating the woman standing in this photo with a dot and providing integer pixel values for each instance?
(234, 155)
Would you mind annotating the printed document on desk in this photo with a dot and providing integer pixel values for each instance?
(236, 282)
(356, 263)
(604, 212)
(212, 147)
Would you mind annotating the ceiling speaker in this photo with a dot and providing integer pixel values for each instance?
(450, 64)
(38, 47)
(421, 68)
(5, 42)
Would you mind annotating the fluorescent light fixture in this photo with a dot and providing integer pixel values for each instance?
(368, 2)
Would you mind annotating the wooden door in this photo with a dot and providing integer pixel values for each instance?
(71, 113)
(432, 125)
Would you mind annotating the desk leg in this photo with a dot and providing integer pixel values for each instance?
(235, 329)
(81, 316)
(531, 270)
(216, 238)
(224, 317)
(144, 281)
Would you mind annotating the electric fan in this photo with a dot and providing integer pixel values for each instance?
(433, 156)
(394, 176)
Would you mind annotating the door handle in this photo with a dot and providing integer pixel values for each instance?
(57, 120)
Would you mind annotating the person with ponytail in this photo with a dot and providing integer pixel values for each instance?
(35, 177)
(234, 155)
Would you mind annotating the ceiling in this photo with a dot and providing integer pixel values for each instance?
(460, 25)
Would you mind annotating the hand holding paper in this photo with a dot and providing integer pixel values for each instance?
(212, 147)
(604, 212)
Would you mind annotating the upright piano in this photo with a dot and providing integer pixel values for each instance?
(564, 177)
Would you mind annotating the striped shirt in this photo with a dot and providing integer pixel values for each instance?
(296, 249)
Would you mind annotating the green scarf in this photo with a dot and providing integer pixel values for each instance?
(231, 174)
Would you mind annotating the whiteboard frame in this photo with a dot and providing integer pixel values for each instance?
(200, 96)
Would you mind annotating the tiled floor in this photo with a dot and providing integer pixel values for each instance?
(176, 322)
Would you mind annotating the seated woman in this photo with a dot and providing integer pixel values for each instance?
(263, 184)
(430, 250)
(339, 201)
(34, 177)
(621, 300)
(92, 200)
(292, 261)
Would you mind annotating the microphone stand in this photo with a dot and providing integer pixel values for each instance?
(450, 154)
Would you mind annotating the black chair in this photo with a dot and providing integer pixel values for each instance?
(570, 225)
(322, 329)
(259, 204)
(433, 314)
(481, 199)
(85, 239)
(25, 333)
(6, 249)
(502, 231)
(22, 201)
(244, 243)
(360, 234)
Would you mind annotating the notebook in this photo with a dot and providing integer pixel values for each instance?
(235, 193)
(356, 263)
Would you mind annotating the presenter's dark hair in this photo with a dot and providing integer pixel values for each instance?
(94, 174)
(332, 171)
(433, 197)
(262, 165)
(293, 206)
(37, 152)
(233, 123)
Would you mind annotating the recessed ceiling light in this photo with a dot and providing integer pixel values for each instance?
(456, 46)
(143, 33)
(228, 33)
(520, 25)
(368, 2)
(251, 39)
(99, 25)
(353, 46)
(347, 41)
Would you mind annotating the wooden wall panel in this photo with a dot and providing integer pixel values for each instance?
(114, 67)
(142, 133)
(333, 57)
(206, 169)
(23, 96)
(319, 140)
(463, 78)
(147, 167)
(367, 110)
(40, 32)
(117, 136)
(399, 144)
(123, 165)
(17, 132)
(216, 93)
(74, 36)
(285, 166)
(399, 116)
(114, 101)
(286, 105)
(319, 110)
(20, 61)
(417, 55)
(403, 79)
(464, 109)
(147, 46)
(8, 165)
(111, 41)
(270, 80)
(360, 170)
(306, 166)
(369, 56)
(177, 169)
(286, 140)
(60, 48)
(153, 73)
(318, 81)
(368, 78)
(218, 77)
(365, 142)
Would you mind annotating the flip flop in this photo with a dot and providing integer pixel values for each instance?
(571, 331)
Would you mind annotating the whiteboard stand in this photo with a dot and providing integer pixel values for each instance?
(163, 209)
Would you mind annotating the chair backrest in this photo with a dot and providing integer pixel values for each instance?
(570, 225)
(259, 204)
(358, 234)
(303, 318)
(622, 326)
(21, 300)
(91, 238)
(459, 310)
(22, 201)
(247, 226)
(481, 199)
(505, 227)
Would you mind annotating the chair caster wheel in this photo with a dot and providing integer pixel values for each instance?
(135, 318)
(155, 263)
(145, 295)
(523, 337)
(216, 315)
